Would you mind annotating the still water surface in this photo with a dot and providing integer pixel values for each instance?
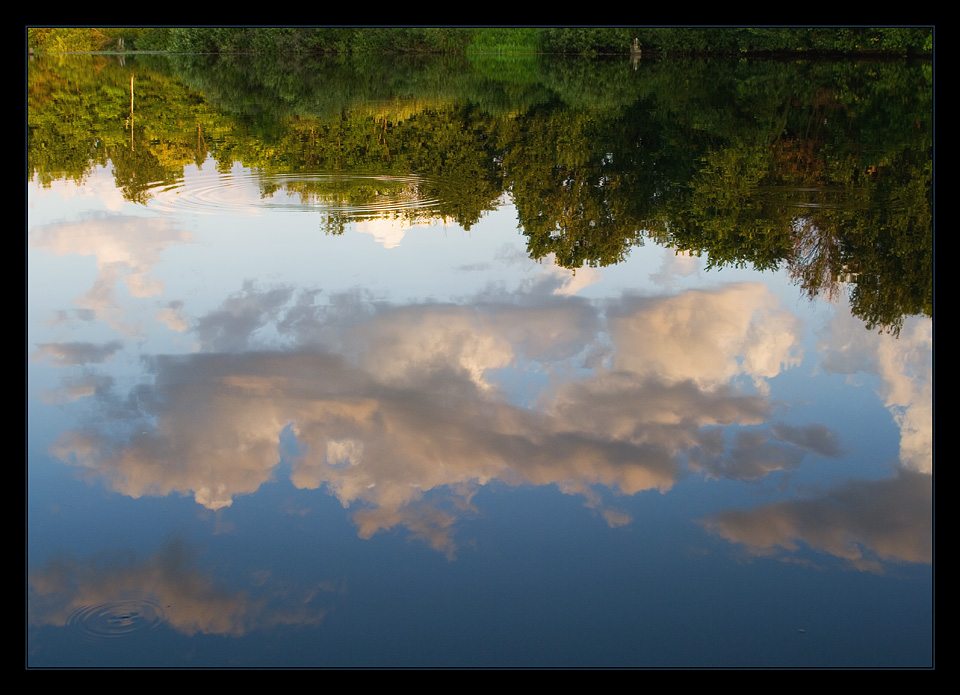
(277, 422)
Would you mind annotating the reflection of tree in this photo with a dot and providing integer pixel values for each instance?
(448, 149)
(137, 171)
(824, 169)
(730, 217)
(64, 120)
(889, 245)
(840, 192)
(86, 113)
(559, 183)
(587, 184)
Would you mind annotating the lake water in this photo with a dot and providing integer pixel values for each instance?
(538, 364)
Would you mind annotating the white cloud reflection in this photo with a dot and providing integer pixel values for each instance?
(708, 337)
(76, 353)
(904, 363)
(386, 232)
(168, 587)
(126, 248)
(864, 522)
(390, 402)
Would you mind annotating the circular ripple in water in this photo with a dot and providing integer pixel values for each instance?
(118, 619)
(251, 193)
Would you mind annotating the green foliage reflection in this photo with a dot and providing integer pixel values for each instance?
(824, 169)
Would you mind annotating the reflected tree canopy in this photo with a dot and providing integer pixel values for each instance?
(825, 169)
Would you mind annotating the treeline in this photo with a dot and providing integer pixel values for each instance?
(456, 40)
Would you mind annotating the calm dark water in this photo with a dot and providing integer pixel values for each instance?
(513, 368)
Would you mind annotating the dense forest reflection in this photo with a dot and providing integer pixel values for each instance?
(822, 168)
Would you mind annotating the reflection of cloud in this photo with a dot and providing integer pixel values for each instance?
(754, 456)
(816, 438)
(675, 263)
(865, 522)
(751, 457)
(432, 525)
(228, 329)
(709, 337)
(61, 317)
(75, 389)
(405, 344)
(189, 601)
(71, 354)
(125, 248)
(389, 233)
(98, 184)
(613, 517)
(624, 406)
(388, 403)
(172, 315)
(571, 281)
(904, 364)
(222, 438)
(402, 344)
